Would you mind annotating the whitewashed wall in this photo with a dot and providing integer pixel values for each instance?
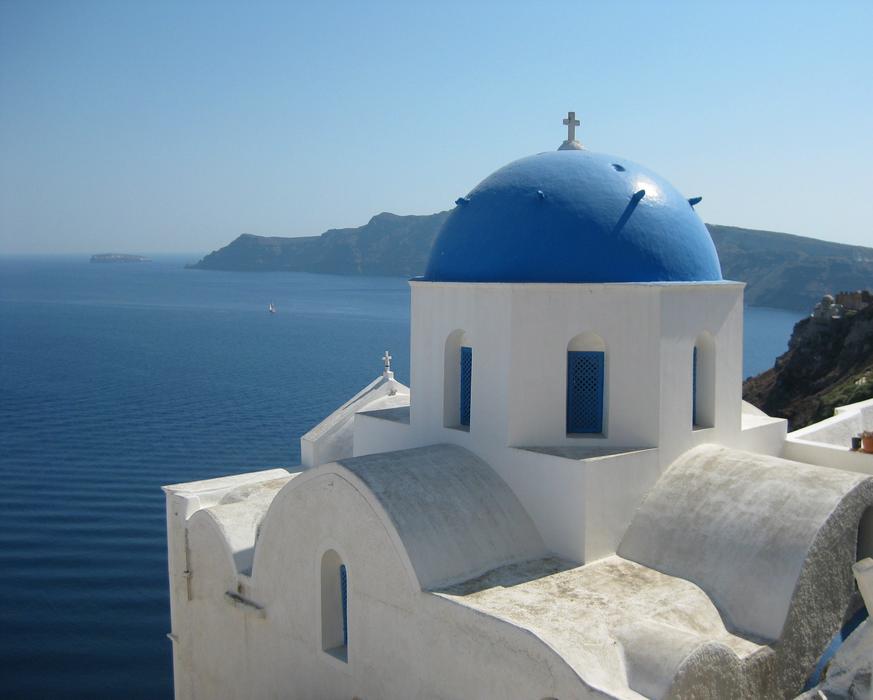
(403, 643)
(520, 335)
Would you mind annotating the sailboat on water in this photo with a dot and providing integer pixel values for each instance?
(271, 308)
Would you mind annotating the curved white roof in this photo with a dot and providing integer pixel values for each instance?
(454, 515)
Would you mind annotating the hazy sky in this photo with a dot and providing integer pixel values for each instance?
(149, 126)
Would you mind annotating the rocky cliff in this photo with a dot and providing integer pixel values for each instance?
(388, 245)
(781, 270)
(829, 363)
(785, 271)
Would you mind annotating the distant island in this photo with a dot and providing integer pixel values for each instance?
(118, 258)
(829, 363)
(781, 270)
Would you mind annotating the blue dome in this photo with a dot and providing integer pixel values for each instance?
(573, 216)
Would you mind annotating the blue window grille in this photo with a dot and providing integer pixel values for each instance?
(466, 383)
(585, 391)
(345, 599)
(694, 387)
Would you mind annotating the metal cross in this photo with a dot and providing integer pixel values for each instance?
(386, 359)
(571, 123)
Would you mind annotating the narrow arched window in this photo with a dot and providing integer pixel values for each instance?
(694, 420)
(703, 381)
(466, 388)
(458, 385)
(334, 606)
(586, 384)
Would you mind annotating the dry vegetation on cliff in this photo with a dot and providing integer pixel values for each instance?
(829, 363)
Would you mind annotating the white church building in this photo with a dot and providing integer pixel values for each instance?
(572, 501)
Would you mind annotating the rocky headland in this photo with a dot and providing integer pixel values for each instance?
(781, 270)
(829, 363)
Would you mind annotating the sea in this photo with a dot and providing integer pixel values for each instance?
(118, 378)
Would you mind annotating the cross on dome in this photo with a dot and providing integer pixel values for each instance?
(571, 123)
(571, 144)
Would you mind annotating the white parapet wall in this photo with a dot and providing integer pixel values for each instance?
(183, 502)
(829, 442)
(847, 422)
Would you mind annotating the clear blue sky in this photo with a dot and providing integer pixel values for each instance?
(149, 126)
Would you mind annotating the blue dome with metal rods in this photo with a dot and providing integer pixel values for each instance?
(573, 216)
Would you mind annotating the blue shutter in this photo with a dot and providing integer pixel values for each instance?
(585, 392)
(345, 597)
(466, 383)
(694, 387)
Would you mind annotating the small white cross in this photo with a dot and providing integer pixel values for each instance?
(386, 359)
(571, 123)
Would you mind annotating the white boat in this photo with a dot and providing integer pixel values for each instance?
(271, 308)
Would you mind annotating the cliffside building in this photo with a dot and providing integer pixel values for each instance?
(572, 502)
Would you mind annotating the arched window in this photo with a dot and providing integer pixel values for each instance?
(458, 386)
(334, 606)
(703, 381)
(586, 384)
(466, 387)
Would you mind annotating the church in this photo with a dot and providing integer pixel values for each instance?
(571, 501)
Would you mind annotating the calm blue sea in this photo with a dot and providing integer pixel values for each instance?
(116, 379)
